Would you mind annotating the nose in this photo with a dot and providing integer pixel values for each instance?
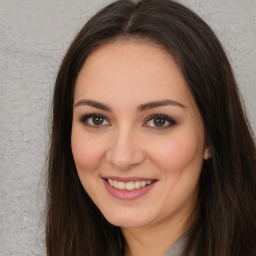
(124, 151)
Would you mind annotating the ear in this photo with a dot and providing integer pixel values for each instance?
(207, 153)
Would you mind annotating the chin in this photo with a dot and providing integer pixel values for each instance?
(127, 219)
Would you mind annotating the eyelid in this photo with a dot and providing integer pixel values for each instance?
(171, 121)
(84, 118)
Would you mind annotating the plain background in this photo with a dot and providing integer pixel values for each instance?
(34, 36)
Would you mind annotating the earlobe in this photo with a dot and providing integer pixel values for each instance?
(207, 154)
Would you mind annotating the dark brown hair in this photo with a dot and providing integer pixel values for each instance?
(226, 221)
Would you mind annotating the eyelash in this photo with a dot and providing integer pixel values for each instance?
(166, 118)
(171, 122)
(85, 119)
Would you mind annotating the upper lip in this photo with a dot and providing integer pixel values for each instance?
(127, 179)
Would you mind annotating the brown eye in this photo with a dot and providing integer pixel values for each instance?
(159, 122)
(97, 120)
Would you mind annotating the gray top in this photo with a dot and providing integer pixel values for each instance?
(177, 248)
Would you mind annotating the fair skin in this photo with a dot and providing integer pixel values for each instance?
(138, 143)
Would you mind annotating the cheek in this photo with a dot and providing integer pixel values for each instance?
(179, 154)
(180, 162)
(87, 152)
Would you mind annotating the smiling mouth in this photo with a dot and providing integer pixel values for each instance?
(129, 186)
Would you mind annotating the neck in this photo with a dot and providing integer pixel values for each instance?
(152, 240)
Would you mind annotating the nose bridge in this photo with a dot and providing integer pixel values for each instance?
(125, 150)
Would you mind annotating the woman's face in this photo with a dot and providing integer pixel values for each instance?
(137, 135)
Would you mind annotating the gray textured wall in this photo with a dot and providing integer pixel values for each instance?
(33, 39)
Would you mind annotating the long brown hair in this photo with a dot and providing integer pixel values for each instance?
(226, 221)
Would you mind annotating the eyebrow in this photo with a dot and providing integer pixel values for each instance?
(93, 103)
(155, 104)
(140, 108)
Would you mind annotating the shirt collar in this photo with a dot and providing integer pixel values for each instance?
(178, 247)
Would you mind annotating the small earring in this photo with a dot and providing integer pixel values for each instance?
(207, 154)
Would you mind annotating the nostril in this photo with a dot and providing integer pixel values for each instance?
(125, 156)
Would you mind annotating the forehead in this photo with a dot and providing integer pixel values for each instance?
(138, 69)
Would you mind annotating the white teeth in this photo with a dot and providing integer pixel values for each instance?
(120, 185)
(137, 184)
(131, 185)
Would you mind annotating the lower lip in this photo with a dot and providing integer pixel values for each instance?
(125, 194)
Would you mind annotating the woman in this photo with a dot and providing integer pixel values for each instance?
(151, 152)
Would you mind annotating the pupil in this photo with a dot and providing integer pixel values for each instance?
(97, 120)
(159, 122)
